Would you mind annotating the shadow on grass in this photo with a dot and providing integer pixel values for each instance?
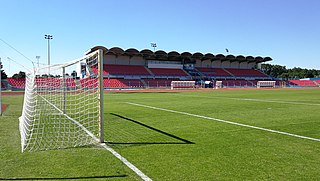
(67, 178)
(179, 140)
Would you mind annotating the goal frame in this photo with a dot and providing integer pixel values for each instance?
(182, 85)
(31, 113)
(266, 84)
(101, 95)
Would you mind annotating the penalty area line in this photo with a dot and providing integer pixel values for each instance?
(127, 163)
(224, 121)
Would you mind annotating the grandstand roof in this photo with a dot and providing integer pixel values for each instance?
(175, 56)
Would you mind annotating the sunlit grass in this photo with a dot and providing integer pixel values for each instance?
(171, 146)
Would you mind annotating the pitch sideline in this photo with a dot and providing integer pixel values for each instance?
(224, 121)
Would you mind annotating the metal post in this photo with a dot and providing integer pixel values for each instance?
(38, 57)
(101, 90)
(64, 89)
(48, 52)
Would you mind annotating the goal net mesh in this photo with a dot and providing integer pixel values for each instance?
(60, 111)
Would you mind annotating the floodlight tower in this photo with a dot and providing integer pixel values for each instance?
(48, 37)
(38, 57)
(154, 45)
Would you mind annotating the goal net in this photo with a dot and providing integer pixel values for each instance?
(61, 111)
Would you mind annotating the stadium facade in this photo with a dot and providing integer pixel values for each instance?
(147, 66)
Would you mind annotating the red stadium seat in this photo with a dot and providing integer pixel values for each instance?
(217, 72)
(17, 83)
(158, 82)
(303, 83)
(122, 83)
(245, 72)
(125, 70)
(238, 83)
(167, 72)
(70, 83)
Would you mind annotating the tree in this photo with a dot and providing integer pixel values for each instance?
(273, 70)
(266, 68)
(279, 71)
(3, 75)
(20, 75)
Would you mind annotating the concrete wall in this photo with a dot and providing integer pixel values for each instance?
(206, 64)
(243, 65)
(251, 65)
(225, 64)
(138, 60)
(123, 60)
(216, 64)
(234, 65)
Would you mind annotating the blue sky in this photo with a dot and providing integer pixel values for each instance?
(287, 31)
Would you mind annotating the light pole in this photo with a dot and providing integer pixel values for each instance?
(38, 57)
(154, 45)
(48, 37)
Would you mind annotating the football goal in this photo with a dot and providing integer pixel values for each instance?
(183, 84)
(266, 84)
(61, 111)
(219, 85)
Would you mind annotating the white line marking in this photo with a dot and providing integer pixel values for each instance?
(126, 162)
(282, 102)
(224, 121)
(250, 99)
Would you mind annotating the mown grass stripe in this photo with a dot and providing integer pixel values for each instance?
(224, 121)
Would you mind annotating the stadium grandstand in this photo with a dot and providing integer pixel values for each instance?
(147, 68)
(134, 69)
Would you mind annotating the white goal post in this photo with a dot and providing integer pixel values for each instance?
(183, 84)
(60, 111)
(219, 84)
(266, 84)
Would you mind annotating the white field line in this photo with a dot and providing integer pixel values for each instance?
(224, 121)
(272, 101)
(255, 100)
(127, 163)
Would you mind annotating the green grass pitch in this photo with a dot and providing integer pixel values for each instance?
(170, 141)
